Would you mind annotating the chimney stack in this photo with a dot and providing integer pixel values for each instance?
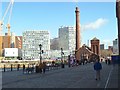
(77, 29)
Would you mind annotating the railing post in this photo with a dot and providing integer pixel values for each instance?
(4, 68)
(11, 67)
(18, 67)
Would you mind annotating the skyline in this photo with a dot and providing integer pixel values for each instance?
(95, 18)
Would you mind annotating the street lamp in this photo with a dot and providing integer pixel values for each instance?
(62, 62)
(41, 51)
(61, 54)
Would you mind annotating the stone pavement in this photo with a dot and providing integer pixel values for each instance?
(82, 76)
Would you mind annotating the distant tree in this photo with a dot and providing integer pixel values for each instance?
(105, 53)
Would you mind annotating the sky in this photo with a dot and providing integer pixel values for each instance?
(97, 19)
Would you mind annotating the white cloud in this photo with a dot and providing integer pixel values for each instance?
(94, 25)
(106, 41)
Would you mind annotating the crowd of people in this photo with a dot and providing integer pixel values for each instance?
(73, 62)
(39, 68)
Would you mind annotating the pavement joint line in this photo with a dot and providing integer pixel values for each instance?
(108, 78)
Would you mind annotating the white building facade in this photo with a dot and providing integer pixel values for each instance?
(67, 38)
(56, 54)
(115, 46)
(31, 41)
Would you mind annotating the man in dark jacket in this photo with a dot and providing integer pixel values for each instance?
(97, 67)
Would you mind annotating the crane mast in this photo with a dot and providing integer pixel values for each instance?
(10, 6)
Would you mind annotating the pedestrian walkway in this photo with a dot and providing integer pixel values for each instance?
(82, 76)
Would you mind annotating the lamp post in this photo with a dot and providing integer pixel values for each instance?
(61, 54)
(62, 62)
(40, 45)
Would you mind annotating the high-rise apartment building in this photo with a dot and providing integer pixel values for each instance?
(31, 41)
(67, 38)
(101, 46)
(115, 46)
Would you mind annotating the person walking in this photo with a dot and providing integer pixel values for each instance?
(44, 67)
(97, 68)
(106, 61)
(109, 62)
(68, 60)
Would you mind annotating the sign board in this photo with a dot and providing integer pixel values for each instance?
(11, 52)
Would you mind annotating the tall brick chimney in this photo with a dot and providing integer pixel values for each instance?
(77, 49)
(77, 29)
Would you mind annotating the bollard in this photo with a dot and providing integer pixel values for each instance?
(11, 67)
(18, 67)
(4, 68)
(23, 68)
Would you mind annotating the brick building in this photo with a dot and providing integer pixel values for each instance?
(95, 46)
(7, 42)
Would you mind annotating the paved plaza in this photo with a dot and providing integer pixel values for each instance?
(82, 76)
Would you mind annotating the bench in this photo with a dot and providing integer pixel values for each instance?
(29, 69)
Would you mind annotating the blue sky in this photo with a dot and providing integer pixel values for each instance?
(97, 19)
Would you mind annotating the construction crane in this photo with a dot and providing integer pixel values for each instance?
(8, 9)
